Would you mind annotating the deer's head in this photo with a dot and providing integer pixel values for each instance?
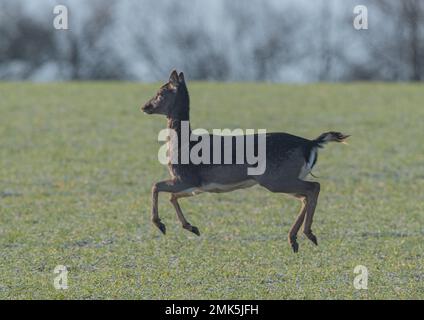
(165, 99)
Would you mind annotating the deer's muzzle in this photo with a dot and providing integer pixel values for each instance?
(147, 108)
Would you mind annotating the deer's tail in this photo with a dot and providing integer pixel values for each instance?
(328, 137)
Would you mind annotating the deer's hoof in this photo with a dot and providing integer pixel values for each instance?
(161, 226)
(312, 237)
(293, 243)
(193, 229)
(295, 246)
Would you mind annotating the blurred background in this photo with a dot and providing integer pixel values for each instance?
(275, 40)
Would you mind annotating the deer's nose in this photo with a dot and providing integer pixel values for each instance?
(147, 108)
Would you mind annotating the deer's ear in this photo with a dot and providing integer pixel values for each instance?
(181, 77)
(173, 78)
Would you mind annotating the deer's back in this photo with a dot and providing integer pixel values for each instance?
(285, 156)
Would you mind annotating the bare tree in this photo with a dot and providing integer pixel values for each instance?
(394, 43)
(24, 41)
(88, 50)
(266, 37)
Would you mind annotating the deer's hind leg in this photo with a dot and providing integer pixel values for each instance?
(308, 193)
(186, 225)
(292, 237)
(312, 200)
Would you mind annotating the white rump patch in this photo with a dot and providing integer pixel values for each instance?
(307, 167)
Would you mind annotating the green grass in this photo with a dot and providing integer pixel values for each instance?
(77, 161)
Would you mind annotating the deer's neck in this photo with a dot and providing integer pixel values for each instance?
(179, 119)
(179, 141)
(179, 125)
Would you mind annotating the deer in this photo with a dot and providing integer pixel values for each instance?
(289, 160)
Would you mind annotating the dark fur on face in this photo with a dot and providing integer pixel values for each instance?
(171, 99)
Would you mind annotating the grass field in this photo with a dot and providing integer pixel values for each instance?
(77, 162)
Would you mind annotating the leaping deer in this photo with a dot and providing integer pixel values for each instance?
(289, 159)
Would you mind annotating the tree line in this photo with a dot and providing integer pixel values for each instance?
(218, 40)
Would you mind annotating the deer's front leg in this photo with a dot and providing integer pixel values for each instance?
(155, 212)
(186, 225)
(171, 186)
